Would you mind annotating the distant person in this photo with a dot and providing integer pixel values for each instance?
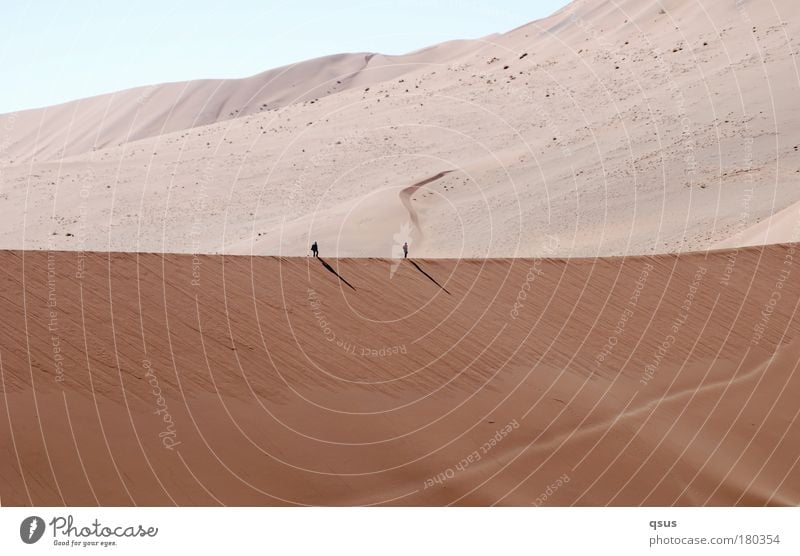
(405, 250)
(315, 249)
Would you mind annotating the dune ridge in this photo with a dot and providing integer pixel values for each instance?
(109, 120)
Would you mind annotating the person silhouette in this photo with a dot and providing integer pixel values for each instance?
(405, 250)
(315, 249)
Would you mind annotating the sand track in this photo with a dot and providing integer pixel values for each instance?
(408, 192)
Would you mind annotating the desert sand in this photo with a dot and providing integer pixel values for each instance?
(619, 127)
(660, 380)
(600, 308)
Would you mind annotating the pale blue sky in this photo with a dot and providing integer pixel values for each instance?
(53, 51)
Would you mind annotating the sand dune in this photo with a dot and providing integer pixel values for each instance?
(619, 127)
(111, 120)
(168, 379)
(566, 332)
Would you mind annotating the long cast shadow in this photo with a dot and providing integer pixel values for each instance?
(431, 278)
(330, 269)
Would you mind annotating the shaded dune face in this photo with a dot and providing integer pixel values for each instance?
(169, 379)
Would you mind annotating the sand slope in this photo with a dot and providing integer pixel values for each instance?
(781, 226)
(618, 127)
(111, 120)
(657, 380)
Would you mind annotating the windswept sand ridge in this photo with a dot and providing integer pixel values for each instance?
(110, 120)
(645, 380)
(618, 127)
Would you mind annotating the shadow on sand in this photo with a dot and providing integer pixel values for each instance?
(431, 278)
(330, 269)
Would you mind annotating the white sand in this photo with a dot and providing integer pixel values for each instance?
(689, 143)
